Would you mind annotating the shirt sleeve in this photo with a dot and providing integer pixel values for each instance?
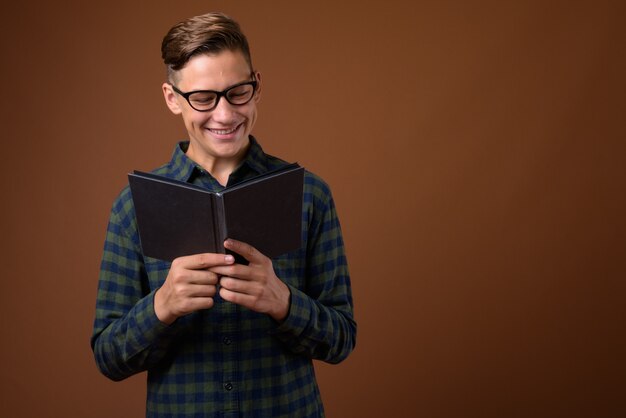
(320, 322)
(127, 337)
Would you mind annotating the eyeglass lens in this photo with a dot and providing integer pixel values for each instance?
(237, 95)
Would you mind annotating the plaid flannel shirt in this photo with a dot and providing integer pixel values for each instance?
(226, 361)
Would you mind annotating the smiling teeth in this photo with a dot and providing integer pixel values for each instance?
(224, 131)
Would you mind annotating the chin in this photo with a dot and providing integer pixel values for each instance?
(229, 148)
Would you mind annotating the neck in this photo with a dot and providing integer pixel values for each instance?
(219, 167)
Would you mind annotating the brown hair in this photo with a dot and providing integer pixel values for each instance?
(210, 33)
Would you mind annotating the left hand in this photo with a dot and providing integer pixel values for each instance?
(254, 286)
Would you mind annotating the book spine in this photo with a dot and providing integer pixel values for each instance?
(219, 220)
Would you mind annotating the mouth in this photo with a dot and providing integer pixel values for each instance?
(227, 131)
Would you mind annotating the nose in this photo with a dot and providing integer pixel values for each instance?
(223, 112)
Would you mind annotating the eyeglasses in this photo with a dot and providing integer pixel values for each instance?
(207, 100)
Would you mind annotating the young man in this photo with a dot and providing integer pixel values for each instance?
(244, 348)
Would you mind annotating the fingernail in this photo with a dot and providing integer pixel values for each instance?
(229, 258)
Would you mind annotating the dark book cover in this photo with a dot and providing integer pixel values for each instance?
(177, 218)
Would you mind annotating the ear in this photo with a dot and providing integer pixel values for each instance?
(171, 99)
(257, 94)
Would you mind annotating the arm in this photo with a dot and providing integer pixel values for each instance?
(136, 325)
(127, 337)
(320, 322)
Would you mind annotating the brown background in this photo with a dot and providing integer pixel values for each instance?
(476, 153)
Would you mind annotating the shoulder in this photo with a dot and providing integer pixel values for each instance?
(123, 210)
(317, 200)
(316, 186)
(123, 205)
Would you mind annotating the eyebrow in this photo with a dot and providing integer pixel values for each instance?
(220, 91)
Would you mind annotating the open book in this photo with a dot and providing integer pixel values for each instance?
(177, 218)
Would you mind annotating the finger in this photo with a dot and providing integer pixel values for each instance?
(196, 304)
(237, 298)
(236, 270)
(202, 277)
(246, 250)
(204, 260)
(203, 291)
(237, 285)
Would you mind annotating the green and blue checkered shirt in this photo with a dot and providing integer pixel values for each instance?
(226, 361)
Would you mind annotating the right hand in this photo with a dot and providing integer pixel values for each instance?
(189, 286)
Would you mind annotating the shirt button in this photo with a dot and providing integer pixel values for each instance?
(227, 341)
(228, 386)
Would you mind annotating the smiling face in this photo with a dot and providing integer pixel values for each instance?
(218, 139)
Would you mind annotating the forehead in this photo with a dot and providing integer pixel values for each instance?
(213, 71)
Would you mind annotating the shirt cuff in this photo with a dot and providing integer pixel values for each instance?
(150, 328)
(301, 309)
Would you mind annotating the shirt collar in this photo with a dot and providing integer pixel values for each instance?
(255, 159)
(184, 168)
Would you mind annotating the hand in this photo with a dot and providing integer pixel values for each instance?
(254, 286)
(189, 286)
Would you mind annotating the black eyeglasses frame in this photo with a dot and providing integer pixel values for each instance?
(219, 94)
